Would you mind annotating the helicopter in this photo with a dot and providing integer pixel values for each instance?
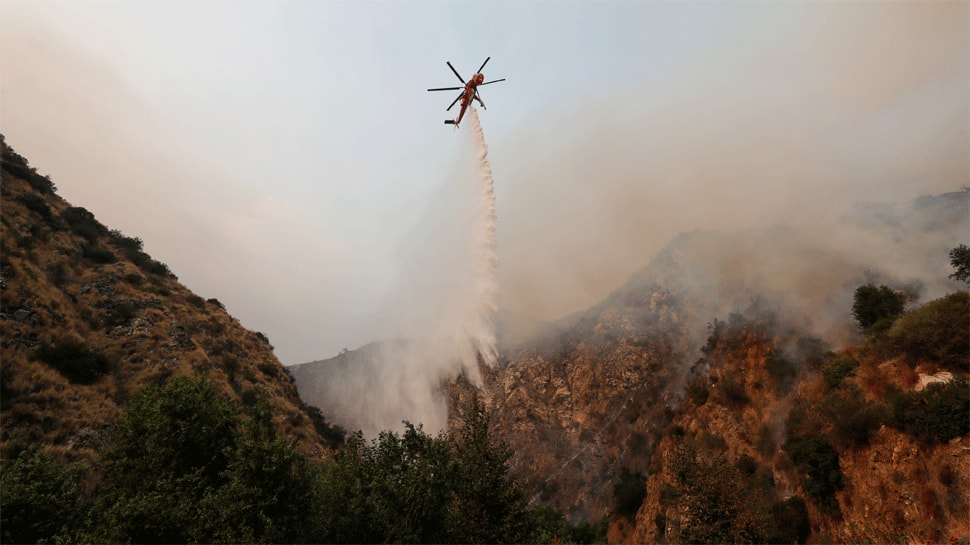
(468, 93)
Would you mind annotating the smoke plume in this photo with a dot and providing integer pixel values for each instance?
(443, 312)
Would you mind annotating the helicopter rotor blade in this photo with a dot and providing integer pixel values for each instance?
(455, 102)
(461, 79)
(446, 89)
(483, 64)
(493, 81)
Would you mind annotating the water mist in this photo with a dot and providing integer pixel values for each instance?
(443, 310)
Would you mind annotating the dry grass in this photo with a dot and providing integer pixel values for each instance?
(150, 328)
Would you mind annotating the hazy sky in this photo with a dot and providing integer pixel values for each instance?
(275, 154)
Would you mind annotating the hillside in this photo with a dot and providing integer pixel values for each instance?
(709, 348)
(595, 412)
(88, 319)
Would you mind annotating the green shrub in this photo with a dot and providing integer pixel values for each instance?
(17, 165)
(83, 223)
(629, 493)
(269, 369)
(782, 370)
(184, 466)
(733, 391)
(35, 203)
(231, 365)
(121, 314)
(98, 254)
(126, 243)
(838, 369)
(333, 434)
(936, 414)
(75, 361)
(816, 456)
(960, 259)
(57, 274)
(262, 336)
(790, 521)
(937, 331)
(876, 308)
(698, 392)
(853, 419)
(41, 500)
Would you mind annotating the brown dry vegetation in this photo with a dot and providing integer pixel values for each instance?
(84, 283)
(896, 487)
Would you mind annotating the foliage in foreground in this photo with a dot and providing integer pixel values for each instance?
(186, 465)
(723, 502)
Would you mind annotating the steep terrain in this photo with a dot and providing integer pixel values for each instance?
(88, 318)
(704, 353)
(745, 455)
(592, 410)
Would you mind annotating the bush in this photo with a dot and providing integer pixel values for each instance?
(17, 165)
(269, 369)
(83, 223)
(936, 414)
(960, 259)
(838, 369)
(936, 331)
(853, 419)
(876, 308)
(98, 254)
(75, 361)
(333, 434)
(35, 203)
(41, 500)
(629, 493)
(698, 392)
(126, 243)
(184, 466)
(121, 314)
(782, 370)
(733, 391)
(791, 524)
(816, 456)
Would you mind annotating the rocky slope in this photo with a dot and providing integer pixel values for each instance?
(595, 408)
(584, 409)
(88, 318)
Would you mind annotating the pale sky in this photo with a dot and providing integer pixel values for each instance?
(275, 153)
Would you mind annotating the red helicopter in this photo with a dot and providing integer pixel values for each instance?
(468, 92)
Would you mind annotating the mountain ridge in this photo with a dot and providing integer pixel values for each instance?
(88, 318)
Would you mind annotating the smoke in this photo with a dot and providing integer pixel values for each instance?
(791, 125)
(442, 313)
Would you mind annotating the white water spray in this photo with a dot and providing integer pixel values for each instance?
(487, 283)
(443, 311)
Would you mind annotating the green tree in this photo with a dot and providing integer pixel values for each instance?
(876, 308)
(184, 465)
(488, 507)
(40, 500)
(268, 491)
(816, 456)
(960, 259)
(936, 414)
(936, 331)
(166, 455)
(853, 419)
(411, 478)
(719, 503)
